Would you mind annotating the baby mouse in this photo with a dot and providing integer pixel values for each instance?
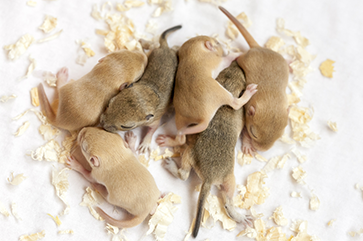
(146, 101)
(81, 102)
(211, 153)
(197, 96)
(266, 114)
(117, 174)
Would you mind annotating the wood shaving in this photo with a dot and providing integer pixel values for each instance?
(51, 37)
(244, 159)
(331, 222)
(67, 144)
(6, 98)
(300, 40)
(48, 152)
(61, 184)
(111, 229)
(155, 153)
(19, 48)
(133, 3)
(69, 231)
(299, 174)
(3, 210)
(327, 68)
(248, 232)
(48, 131)
(34, 96)
(300, 227)
(214, 209)
(300, 157)
(32, 237)
(22, 129)
(49, 24)
(276, 162)
(151, 26)
(275, 43)
(260, 158)
(56, 219)
(256, 193)
(296, 194)
(163, 216)
(103, 13)
(14, 211)
(279, 217)
(286, 139)
(232, 31)
(163, 6)
(314, 203)
(84, 53)
(293, 99)
(143, 160)
(16, 180)
(50, 78)
(90, 199)
(333, 126)
(31, 3)
(30, 69)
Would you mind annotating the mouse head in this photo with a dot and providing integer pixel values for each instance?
(264, 127)
(92, 141)
(134, 106)
(200, 46)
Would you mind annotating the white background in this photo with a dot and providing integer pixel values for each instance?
(334, 163)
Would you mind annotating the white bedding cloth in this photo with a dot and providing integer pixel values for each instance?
(334, 163)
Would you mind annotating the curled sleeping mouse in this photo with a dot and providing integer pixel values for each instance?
(211, 153)
(117, 174)
(81, 102)
(197, 96)
(266, 113)
(146, 101)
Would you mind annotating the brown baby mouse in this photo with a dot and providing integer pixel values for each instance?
(197, 96)
(146, 101)
(81, 102)
(266, 114)
(117, 174)
(211, 153)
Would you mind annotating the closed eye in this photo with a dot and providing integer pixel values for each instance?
(127, 127)
(253, 134)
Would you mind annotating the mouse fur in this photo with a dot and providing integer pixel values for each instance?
(197, 96)
(117, 174)
(80, 103)
(146, 101)
(211, 153)
(266, 113)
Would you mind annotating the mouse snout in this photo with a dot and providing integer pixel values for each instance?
(110, 128)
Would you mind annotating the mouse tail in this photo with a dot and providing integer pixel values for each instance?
(250, 40)
(162, 40)
(125, 223)
(45, 105)
(204, 192)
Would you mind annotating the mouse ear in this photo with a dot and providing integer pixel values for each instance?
(209, 45)
(123, 86)
(148, 117)
(251, 111)
(95, 161)
(101, 59)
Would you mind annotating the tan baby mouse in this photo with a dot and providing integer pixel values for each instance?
(117, 174)
(197, 96)
(211, 153)
(146, 101)
(266, 114)
(81, 102)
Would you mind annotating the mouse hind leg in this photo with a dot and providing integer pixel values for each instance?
(187, 162)
(228, 188)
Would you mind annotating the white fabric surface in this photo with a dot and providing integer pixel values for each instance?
(334, 162)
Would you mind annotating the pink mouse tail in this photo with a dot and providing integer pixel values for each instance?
(250, 40)
(126, 223)
(45, 105)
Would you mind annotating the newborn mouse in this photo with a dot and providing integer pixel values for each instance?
(81, 102)
(211, 153)
(197, 96)
(146, 101)
(117, 174)
(266, 114)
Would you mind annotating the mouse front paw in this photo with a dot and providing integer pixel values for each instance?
(161, 140)
(62, 76)
(73, 164)
(144, 147)
(250, 90)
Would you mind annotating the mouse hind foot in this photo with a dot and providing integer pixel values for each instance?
(62, 77)
(241, 101)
